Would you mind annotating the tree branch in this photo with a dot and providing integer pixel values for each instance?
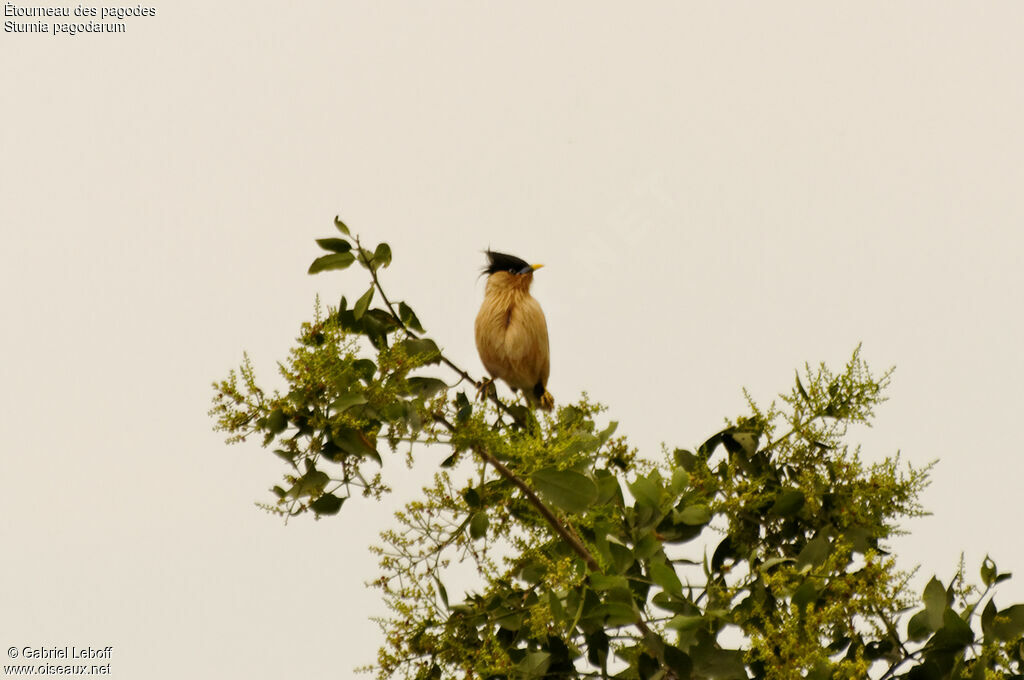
(556, 524)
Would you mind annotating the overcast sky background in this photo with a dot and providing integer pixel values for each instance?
(720, 192)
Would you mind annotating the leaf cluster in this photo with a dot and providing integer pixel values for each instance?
(760, 553)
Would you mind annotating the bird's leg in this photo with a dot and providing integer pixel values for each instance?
(486, 388)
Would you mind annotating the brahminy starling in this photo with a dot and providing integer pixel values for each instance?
(511, 333)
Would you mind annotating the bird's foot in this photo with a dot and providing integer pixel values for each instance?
(547, 402)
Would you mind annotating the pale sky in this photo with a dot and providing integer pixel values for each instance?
(720, 192)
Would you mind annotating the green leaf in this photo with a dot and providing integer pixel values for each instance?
(382, 255)
(606, 434)
(694, 515)
(767, 565)
(648, 667)
(861, 539)
(534, 665)
(424, 348)
(807, 593)
(800, 387)
(672, 604)
(521, 415)
(355, 443)
(919, 626)
(1009, 623)
(839, 644)
(478, 524)
(988, 571)
(954, 635)
(597, 648)
(665, 576)
(685, 459)
(534, 572)
(720, 664)
(602, 582)
(341, 226)
(612, 614)
(375, 327)
(365, 369)
(679, 661)
(442, 591)
(348, 400)
(432, 672)
(426, 387)
(978, 671)
(647, 490)
(935, 602)
(680, 480)
(286, 455)
(622, 557)
(684, 622)
(365, 258)
(557, 608)
(581, 443)
(928, 670)
(276, 422)
(814, 553)
(464, 406)
(742, 439)
(363, 303)
(608, 489)
(335, 245)
(725, 551)
(647, 546)
(334, 261)
(309, 484)
(472, 497)
(409, 317)
(569, 490)
(707, 448)
(877, 649)
(328, 504)
(988, 617)
(788, 502)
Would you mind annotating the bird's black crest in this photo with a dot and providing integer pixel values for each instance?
(500, 262)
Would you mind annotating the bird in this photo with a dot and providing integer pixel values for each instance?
(511, 332)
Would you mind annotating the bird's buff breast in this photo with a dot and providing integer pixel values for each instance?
(511, 336)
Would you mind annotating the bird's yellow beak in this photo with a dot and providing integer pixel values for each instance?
(536, 266)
